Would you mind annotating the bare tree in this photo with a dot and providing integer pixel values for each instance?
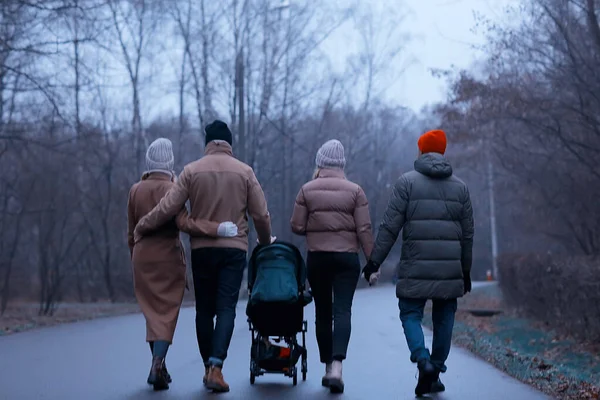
(184, 14)
(135, 22)
(70, 157)
(516, 109)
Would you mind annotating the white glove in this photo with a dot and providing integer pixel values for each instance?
(227, 229)
(374, 278)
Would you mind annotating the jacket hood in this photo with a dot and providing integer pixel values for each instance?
(433, 165)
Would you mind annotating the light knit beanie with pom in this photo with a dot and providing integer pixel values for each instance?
(159, 156)
(331, 155)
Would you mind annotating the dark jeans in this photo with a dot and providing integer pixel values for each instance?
(411, 315)
(333, 278)
(218, 274)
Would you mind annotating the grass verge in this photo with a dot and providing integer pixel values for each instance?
(559, 366)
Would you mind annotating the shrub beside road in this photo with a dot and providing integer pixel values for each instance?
(563, 366)
(562, 293)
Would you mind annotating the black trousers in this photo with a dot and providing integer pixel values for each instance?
(333, 278)
(218, 274)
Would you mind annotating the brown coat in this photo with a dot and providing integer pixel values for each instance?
(158, 259)
(333, 213)
(219, 188)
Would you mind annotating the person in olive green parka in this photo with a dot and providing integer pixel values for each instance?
(432, 208)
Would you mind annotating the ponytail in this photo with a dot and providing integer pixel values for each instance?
(316, 173)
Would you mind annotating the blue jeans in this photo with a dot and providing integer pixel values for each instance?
(411, 315)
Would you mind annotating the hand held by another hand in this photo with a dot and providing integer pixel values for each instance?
(374, 278)
(227, 229)
(369, 270)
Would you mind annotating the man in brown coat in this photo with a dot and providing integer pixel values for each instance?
(158, 260)
(219, 188)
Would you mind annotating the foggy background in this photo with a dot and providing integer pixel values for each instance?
(86, 85)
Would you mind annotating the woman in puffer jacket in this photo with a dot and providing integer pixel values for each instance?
(333, 213)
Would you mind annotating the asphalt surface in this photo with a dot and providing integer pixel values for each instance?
(108, 359)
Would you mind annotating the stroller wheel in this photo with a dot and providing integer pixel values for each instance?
(252, 371)
(304, 366)
(295, 376)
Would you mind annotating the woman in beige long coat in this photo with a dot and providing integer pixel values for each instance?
(159, 272)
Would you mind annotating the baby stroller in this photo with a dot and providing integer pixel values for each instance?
(276, 284)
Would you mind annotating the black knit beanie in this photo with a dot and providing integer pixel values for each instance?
(218, 130)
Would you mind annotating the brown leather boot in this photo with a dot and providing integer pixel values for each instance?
(205, 378)
(157, 374)
(215, 381)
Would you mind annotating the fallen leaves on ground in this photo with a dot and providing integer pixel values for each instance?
(527, 352)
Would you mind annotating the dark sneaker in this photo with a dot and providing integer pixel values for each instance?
(437, 386)
(426, 378)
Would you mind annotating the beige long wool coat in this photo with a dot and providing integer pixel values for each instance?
(158, 259)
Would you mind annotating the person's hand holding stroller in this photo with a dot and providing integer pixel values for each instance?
(371, 273)
(273, 239)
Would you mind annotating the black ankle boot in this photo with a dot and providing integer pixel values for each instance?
(157, 376)
(426, 377)
(150, 380)
(167, 375)
(164, 346)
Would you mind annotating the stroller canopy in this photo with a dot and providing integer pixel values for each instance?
(276, 273)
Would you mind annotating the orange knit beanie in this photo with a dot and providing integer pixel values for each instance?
(433, 142)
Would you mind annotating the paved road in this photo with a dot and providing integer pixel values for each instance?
(107, 359)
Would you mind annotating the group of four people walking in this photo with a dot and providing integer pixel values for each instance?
(430, 205)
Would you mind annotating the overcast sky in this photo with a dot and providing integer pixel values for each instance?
(441, 35)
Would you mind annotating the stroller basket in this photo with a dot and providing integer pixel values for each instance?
(274, 358)
(277, 272)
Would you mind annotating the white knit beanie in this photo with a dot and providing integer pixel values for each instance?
(159, 156)
(331, 155)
